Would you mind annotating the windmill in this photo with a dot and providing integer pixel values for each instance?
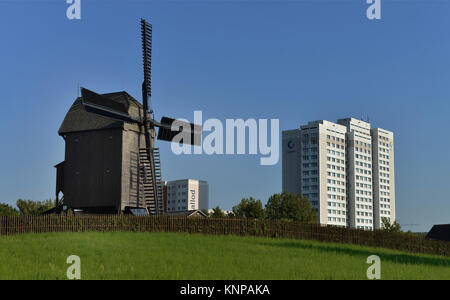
(147, 159)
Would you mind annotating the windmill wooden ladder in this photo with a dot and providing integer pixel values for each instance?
(150, 177)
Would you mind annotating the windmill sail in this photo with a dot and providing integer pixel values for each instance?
(146, 34)
(153, 194)
(192, 133)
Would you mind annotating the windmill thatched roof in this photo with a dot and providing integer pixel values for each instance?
(77, 119)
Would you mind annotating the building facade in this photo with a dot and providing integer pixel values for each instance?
(314, 165)
(359, 173)
(383, 175)
(344, 171)
(185, 195)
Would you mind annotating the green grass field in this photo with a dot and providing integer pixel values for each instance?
(127, 255)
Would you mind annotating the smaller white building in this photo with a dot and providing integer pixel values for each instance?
(185, 195)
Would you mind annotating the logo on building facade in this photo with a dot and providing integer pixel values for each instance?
(291, 145)
(193, 199)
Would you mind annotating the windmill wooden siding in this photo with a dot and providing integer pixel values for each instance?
(101, 167)
(132, 193)
(92, 169)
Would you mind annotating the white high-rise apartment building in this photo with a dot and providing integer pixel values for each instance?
(359, 173)
(383, 175)
(314, 165)
(184, 195)
(345, 169)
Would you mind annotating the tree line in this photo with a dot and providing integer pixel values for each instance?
(26, 207)
(284, 206)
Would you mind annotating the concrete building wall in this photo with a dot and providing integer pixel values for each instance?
(334, 174)
(321, 176)
(383, 175)
(203, 195)
(187, 194)
(359, 169)
(291, 152)
(350, 180)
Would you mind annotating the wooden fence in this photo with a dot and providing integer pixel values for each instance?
(243, 227)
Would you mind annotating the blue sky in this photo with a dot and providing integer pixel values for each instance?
(292, 60)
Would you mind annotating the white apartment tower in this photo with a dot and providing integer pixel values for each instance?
(345, 169)
(359, 173)
(383, 175)
(314, 165)
(184, 195)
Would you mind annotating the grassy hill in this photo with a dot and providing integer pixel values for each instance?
(128, 255)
